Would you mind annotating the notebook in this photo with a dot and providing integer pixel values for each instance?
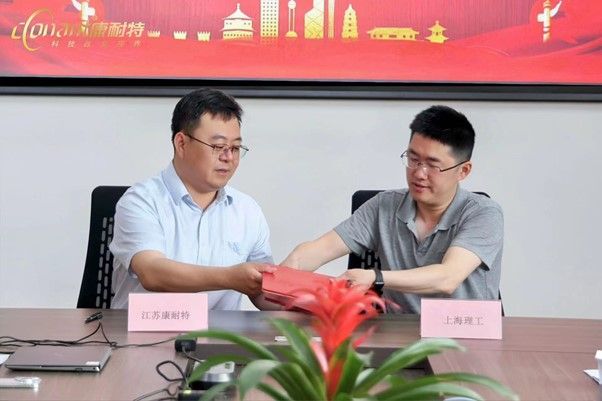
(72, 359)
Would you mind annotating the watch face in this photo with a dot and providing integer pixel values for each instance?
(378, 280)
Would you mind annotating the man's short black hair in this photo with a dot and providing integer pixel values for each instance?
(189, 110)
(447, 126)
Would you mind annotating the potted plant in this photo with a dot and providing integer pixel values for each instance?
(330, 368)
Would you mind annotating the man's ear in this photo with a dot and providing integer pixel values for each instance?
(178, 143)
(465, 170)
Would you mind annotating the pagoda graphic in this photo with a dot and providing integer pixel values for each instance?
(349, 24)
(436, 35)
(238, 26)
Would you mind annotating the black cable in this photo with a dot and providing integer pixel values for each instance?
(191, 357)
(182, 375)
(172, 394)
(9, 341)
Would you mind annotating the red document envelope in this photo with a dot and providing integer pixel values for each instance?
(282, 286)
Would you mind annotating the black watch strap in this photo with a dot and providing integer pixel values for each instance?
(379, 282)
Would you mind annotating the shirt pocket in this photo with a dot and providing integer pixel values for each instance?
(234, 252)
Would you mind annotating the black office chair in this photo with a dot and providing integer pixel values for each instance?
(95, 291)
(369, 260)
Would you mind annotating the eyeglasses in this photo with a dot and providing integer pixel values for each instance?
(238, 151)
(413, 163)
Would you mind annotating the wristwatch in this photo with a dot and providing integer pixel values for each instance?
(379, 282)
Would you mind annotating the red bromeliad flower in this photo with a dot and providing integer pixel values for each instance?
(338, 310)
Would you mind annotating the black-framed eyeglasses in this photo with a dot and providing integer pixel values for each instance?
(413, 164)
(238, 151)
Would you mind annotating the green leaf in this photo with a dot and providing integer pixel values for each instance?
(253, 374)
(349, 397)
(298, 341)
(253, 347)
(302, 353)
(352, 367)
(397, 385)
(211, 361)
(316, 377)
(213, 391)
(293, 380)
(272, 392)
(363, 374)
(288, 383)
(404, 357)
(432, 392)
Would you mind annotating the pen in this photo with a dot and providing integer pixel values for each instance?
(93, 317)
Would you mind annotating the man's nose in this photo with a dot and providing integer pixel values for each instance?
(421, 171)
(226, 154)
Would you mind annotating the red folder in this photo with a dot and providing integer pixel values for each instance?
(283, 285)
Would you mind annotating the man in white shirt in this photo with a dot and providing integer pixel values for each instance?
(185, 230)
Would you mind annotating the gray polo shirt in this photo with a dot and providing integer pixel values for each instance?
(386, 225)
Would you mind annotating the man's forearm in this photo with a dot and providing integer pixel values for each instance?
(313, 254)
(162, 274)
(432, 279)
(305, 256)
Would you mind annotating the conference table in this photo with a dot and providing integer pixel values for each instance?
(538, 358)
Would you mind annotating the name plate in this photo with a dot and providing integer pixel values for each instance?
(162, 311)
(599, 359)
(458, 318)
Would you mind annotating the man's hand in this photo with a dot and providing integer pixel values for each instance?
(362, 277)
(247, 277)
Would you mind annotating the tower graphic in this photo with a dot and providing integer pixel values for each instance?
(269, 18)
(331, 19)
(546, 17)
(436, 35)
(85, 13)
(291, 19)
(349, 24)
(314, 21)
(237, 25)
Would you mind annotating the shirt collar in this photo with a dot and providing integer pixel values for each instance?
(174, 184)
(407, 210)
(179, 193)
(451, 215)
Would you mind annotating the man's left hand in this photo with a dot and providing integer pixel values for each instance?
(361, 277)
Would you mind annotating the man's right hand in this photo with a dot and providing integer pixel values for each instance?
(247, 277)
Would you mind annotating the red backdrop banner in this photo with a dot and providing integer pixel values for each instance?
(442, 41)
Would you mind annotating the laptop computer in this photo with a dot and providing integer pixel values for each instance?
(71, 359)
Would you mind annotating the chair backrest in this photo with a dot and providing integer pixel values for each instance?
(95, 290)
(369, 260)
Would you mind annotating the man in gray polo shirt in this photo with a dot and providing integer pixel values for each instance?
(433, 238)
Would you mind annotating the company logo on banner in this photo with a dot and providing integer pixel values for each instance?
(41, 24)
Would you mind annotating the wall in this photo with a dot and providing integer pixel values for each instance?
(540, 161)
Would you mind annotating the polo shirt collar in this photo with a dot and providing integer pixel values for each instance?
(451, 216)
(407, 210)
